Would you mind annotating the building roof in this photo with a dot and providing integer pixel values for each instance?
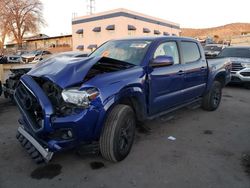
(152, 38)
(124, 13)
(54, 37)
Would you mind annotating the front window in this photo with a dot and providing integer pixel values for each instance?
(168, 49)
(130, 51)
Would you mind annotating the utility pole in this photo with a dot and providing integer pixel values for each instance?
(90, 7)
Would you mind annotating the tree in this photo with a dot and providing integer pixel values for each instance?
(4, 26)
(24, 16)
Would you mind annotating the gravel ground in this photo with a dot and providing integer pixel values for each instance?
(212, 149)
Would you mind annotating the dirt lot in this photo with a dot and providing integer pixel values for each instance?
(211, 150)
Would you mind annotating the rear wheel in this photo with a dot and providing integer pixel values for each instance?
(247, 85)
(211, 100)
(118, 133)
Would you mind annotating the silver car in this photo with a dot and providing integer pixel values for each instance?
(240, 58)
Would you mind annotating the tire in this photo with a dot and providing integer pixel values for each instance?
(118, 133)
(211, 100)
(247, 85)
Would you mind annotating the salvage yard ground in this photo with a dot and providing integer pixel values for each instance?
(211, 150)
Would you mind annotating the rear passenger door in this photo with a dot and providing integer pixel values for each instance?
(195, 67)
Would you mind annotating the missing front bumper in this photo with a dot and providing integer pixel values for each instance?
(36, 150)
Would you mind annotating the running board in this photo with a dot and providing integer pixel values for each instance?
(175, 109)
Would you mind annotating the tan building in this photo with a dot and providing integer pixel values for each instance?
(49, 42)
(41, 41)
(90, 31)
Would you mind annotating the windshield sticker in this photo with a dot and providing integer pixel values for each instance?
(105, 54)
(138, 45)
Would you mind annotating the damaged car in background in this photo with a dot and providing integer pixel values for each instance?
(96, 102)
(17, 57)
(35, 56)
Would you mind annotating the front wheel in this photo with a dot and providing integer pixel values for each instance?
(211, 100)
(118, 133)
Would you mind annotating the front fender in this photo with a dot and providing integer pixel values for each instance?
(134, 93)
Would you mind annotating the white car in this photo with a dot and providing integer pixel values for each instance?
(240, 58)
(35, 56)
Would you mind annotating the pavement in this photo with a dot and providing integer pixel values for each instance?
(212, 149)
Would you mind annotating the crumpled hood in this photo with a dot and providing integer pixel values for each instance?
(64, 71)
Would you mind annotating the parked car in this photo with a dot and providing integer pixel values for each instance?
(3, 59)
(35, 56)
(1, 89)
(11, 83)
(240, 58)
(212, 50)
(95, 102)
(16, 58)
(17, 71)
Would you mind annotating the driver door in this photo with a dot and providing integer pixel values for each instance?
(166, 83)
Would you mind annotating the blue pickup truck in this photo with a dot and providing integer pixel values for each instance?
(96, 102)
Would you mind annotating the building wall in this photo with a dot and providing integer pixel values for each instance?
(49, 43)
(121, 30)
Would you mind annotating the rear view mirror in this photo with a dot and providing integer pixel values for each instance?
(162, 61)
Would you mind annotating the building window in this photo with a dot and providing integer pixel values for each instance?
(97, 29)
(92, 47)
(80, 33)
(80, 47)
(131, 28)
(110, 27)
(146, 30)
(131, 32)
(157, 32)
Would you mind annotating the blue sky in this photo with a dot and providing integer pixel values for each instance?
(189, 13)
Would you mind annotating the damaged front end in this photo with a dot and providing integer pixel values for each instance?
(59, 111)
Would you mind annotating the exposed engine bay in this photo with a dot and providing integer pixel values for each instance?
(54, 92)
(106, 65)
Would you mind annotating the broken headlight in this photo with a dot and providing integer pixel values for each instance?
(79, 98)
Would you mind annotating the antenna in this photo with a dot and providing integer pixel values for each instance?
(74, 15)
(90, 7)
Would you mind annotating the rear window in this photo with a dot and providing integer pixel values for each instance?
(190, 51)
(235, 52)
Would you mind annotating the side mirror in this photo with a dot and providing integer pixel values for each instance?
(162, 61)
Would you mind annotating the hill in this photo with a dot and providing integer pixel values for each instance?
(223, 32)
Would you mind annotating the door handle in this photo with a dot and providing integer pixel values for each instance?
(181, 72)
(203, 68)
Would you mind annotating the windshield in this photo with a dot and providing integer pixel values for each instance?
(130, 51)
(235, 52)
(213, 48)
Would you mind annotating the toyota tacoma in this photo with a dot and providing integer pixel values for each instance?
(95, 102)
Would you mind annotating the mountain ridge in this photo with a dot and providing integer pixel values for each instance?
(223, 32)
